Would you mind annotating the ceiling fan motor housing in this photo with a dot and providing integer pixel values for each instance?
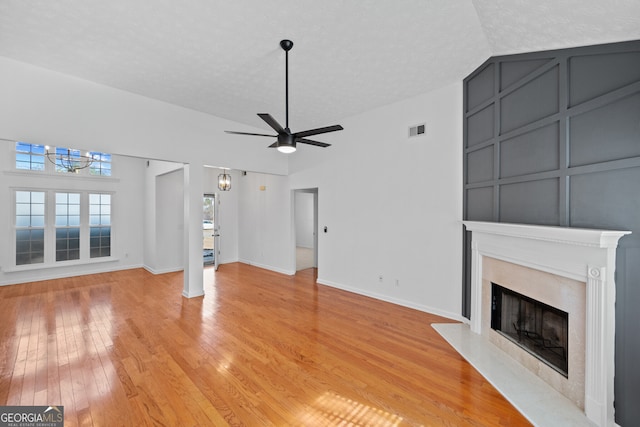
(286, 139)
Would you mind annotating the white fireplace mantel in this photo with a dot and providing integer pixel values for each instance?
(586, 255)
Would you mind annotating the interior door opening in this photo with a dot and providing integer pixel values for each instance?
(306, 227)
(208, 229)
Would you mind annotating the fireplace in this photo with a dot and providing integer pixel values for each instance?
(538, 328)
(572, 270)
(524, 285)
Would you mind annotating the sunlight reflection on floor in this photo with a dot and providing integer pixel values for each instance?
(331, 409)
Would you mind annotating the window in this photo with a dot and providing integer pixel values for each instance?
(101, 164)
(29, 156)
(34, 157)
(73, 158)
(100, 225)
(30, 223)
(60, 227)
(67, 226)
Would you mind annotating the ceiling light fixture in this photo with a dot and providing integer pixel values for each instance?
(286, 144)
(68, 159)
(224, 181)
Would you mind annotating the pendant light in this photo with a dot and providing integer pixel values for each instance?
(68, 159)
(224, 181)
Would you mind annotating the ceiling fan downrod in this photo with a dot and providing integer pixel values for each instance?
(286, 45)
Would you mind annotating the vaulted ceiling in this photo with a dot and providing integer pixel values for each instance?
(223, 57)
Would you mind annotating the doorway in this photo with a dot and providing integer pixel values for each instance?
(208, 229)
(306, 228)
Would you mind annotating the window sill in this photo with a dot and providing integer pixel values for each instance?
(43, 174)
(43, 266)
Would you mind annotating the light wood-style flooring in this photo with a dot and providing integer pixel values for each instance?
(260, 349)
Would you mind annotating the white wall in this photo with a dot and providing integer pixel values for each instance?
(152, 251)
(127, 184)
(392, 205)
(265, 222)
(45, 107)
(304, 219)
(169, 221)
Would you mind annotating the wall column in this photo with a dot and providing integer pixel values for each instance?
(193, 269)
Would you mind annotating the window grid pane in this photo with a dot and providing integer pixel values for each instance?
(100, 242)
(72, 154)
(29, 156)
(67, 209)
(29, 231)
(29, 209)
(67, 226)
(101, 164)
(100, 222)
(67, 244)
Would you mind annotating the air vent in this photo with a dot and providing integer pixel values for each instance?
(417, 130)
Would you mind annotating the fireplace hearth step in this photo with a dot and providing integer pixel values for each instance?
(541, 404)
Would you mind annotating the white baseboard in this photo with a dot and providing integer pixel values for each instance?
(268, 267)
(393, 300)
(162, 270)
(99, 268)
(195, 295)
(228, 261)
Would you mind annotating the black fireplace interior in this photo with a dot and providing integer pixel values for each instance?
(538, 328)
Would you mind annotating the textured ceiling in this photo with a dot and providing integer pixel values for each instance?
(516, 26)
(223, 57)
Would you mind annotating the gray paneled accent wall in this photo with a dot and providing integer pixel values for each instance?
(553, 138)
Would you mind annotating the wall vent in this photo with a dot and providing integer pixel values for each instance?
(417, 130)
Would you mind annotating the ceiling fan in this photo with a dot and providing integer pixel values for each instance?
(287, 140)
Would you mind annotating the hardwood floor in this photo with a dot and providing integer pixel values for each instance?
(260, 348)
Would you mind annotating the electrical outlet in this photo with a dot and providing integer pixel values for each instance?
(380, 278)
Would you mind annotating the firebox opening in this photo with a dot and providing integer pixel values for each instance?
(536, 327)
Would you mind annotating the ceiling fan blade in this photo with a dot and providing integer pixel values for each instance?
(247, 133)
(271, 122)
(318, 131)
(274, 145)
(312, 142)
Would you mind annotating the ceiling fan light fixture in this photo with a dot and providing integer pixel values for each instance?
(286, 142)
(286, 149)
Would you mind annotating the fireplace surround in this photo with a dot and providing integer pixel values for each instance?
(586, 258)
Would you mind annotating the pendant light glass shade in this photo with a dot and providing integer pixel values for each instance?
(224, 181)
